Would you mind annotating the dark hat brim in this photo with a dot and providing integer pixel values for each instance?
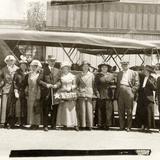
(124, 63)
(151, 70)
(51, 59)
(85, 64)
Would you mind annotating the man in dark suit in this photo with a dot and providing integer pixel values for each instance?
(158, 97)
(47, 80)
(145, 103)
(127, 85)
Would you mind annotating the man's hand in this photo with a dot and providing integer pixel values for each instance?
(49, 85)
(156, 100)
(54, 86)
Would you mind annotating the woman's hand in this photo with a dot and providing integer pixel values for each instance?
(16, 94)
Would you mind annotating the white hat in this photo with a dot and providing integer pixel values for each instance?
(36, 63)
(124, 61)
(65, 64)
(9, 57)
(23, 59)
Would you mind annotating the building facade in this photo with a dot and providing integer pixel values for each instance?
(116, 19)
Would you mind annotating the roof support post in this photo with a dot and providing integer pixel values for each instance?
(69, 53)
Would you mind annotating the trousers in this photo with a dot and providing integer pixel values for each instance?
(85, 112)
(125, 105)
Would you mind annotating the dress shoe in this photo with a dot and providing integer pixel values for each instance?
(148, 130)
(8, 126)
(122, 129)
(82, 128)
(106, 128)
(46, 129)
(89, 128)
(76, 128)
(34, 127)
(22, 127)
(128, 129)
(31, 127)
(53, 127)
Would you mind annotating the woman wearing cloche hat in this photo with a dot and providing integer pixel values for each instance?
(6, 77)
(34, 109)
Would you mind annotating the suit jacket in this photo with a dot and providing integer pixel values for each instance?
(48, 77)
(86, 85)
(103, 84)
(133, 81)
(158, 89)
(146, 93)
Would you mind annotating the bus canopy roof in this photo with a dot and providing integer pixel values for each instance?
(72, 40)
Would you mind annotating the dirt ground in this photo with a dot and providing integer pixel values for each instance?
(17, 139)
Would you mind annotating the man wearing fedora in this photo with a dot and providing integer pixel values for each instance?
(145, 103)
(127, 85)
(47, 80)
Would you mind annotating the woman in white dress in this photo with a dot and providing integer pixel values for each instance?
(66, 116)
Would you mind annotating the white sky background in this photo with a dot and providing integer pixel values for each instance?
(15, 9)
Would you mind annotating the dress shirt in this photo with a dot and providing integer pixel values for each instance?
(50, 68)
(144, 82)
(124, 80)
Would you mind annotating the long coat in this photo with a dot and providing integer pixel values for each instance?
(6, 77)
(86, 85)
(34, 94)
(15, 109)
(158, 90)
(104, 106)
(145, 98)
(103, 83)
(48, 77)
(86, 91)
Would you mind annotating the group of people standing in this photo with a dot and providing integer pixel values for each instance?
(33, 94)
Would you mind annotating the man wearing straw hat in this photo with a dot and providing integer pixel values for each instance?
(127, 85)
(47, 80)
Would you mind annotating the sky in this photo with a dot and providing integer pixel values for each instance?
(15, 9)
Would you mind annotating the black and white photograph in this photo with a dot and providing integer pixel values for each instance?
(80, 79)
